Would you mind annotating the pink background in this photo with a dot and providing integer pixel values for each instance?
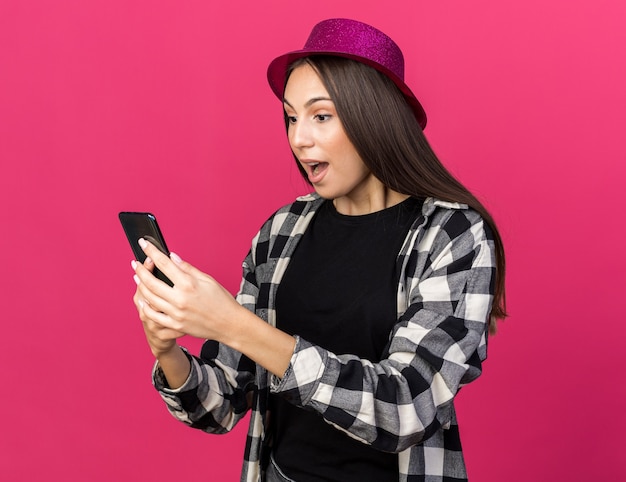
(163, 106)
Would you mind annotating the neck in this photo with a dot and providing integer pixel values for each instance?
(370, 203)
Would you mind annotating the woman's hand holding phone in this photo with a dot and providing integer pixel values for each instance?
(199, 306)
(196, 305)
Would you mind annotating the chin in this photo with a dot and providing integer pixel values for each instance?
(327, 193)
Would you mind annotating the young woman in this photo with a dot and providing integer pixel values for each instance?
(364, 307)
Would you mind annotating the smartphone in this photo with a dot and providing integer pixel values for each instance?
(144, 225)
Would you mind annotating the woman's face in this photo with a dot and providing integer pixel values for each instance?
(320, 144)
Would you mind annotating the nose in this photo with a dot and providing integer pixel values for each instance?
(300, 135)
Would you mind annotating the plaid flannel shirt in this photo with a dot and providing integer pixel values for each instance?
(404, 403)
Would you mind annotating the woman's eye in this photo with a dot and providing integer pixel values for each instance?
(322, 117)
(291, 119)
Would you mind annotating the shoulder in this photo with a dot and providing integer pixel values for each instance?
(440, 212)
(299, 205)
(285, 224)
(452, 220)
(287, 216)
(452, 254)
(449, 231)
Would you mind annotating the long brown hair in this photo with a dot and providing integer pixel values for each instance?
(384, 131)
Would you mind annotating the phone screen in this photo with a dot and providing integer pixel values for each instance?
(144, 225)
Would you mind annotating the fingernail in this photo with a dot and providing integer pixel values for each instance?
(148, 260)
(174, 257)
(140, 303)
(136, 278)
(142, 242)
(133, 263)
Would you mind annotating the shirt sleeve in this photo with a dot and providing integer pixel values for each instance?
(437, 345)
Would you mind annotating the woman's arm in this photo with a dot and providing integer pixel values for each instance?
(162, 341)
(210, 392)
(199, 306)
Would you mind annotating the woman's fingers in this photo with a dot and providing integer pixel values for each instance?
(197, 305)
(154, 319)
(160, 338)
(159, 320)
(185, 267)
(157, 258)
(153, 300)
(155, 291)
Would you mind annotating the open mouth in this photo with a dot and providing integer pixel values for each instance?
(317, 167)
(314, 169)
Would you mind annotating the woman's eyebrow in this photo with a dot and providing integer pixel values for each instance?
(309, 102)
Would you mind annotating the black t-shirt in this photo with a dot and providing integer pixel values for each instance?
(339, 292)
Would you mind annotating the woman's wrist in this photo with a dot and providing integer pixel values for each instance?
(175, 366)
(266, 345)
